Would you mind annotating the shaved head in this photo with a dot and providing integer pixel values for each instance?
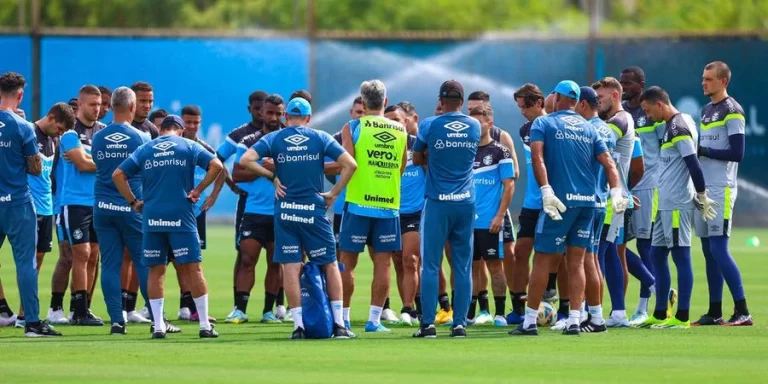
(549, 103)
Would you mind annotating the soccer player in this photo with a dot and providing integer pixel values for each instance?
(117, 225)
(257, 228)
(530, 100)
(300, 221)
(157, 116)
(452, 140)
(379, 146)
(73, 103)
(681, 180)
(167, 167)
(145, 98)
(565, 228)
(77, 182)
(721, 149)
(19, 156)
(302, 94)
(494, 186)
(106, 101)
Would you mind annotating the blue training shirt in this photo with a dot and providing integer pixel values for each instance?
(493, 164)
(261, 191)
(76, 186)
(17, 142)
(40, 186)
(604, 132)
(451, 140)
(361, 210)
(532, 189)
(199, 176)
(167, 167)
(412, 183)
(572, 177)
(111, 146)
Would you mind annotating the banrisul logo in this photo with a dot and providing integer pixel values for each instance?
(116, 139)
(456, 127)
(384, 138)
(296, 141)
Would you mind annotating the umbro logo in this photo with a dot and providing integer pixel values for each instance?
(296, 139)
(2, 124)
(117, 137)
(572, 120)
(384, 137)
(164, 145)
(456, 126)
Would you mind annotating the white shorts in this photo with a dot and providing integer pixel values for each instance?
(721, 225)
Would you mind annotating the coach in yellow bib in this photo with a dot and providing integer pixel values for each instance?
(373, 197)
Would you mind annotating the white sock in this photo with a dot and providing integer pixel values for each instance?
(202, 311)
(157, 312)
(298, 321)
(346, 314)
(574, 317)
(597, 314)
(642, 305)
(619, 314)
(338, 317)
(374, 315)
(530, 317)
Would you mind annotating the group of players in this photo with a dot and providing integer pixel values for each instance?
(408, 189)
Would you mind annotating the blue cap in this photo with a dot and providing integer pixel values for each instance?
(170, 120)
(568, 88)
(589, 95)
(298, 107)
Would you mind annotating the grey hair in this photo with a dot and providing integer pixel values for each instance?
(123, 98)
(374, 93)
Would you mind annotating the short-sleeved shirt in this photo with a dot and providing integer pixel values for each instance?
(412, 183)
(493, 164)
(451, 140)
(110, 147)
(40, 185)
(261, 191)
(167, 167)
(572, 177)
(147, 127)
(650, 134)
(229, 147)
(200, 175)
(532, 189)
(623, 129)
(17, 142)
(676, 188)
(719, 121)
(76, 186)
(607, 136)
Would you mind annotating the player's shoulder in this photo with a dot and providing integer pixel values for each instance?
(623, 121)
(250, 139)
(733, 107)
(238, 133)
(680, 124)
(205, 145)
(500, 150)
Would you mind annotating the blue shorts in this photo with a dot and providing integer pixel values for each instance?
(597, 230)
(574, 230)
(383, 232)
(295, 233)
(184, 245)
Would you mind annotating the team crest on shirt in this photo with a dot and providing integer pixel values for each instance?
(487, 160)
(715, 116)
(77, 234)
(641, 121)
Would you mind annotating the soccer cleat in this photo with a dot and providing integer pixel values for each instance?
(39, 329)
(405, 319)
(672, 299)
(70, 317)
(514, 318)
(118, 329)
(340, 332)
(184, 314)
(389, 315)
(269, 318)
(136, 318)
(169, 328)
(20, 323)
(87, 321)
(370, 327)
(56, 317)
(638, 318)
(280, 312)
(287, 318)
(590, 327)
(483, 318)
(145, 313)
(550, 296)
(532, 330)
(672, 323)
(298, 334)
(443, 316)
(706, 319)
(93, 316)
(458, 332)
(209, 333)
(561, 323)
(347, 324)
(428, 332)
(159, 335)
(738, 320)
(572, 330)
(649, 322)
(195, 317)
(236, 317)
(6, 320)
(499, 321)
(613, 322)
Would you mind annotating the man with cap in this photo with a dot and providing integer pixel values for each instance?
(449, 211)
(167, 167)
(565, 227)
(300, 205)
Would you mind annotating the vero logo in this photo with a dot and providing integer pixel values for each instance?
(117, 137)
(164, 145)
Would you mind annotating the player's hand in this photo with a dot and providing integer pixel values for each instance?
(193, 196)
(551, 205)
(496, 224)
(619, 202)
(138, 206)
(636, 200)
(706, 206)
(268, 163)
(209, 202)
(279, 188)
(20, 112)
(329, 198)
(703, 151)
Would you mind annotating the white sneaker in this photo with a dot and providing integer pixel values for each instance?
(483, 318)
(616, 322)
(5, 320)
(389, 315)
(70, 317)
(145, 313)
(56, 317)
(500, 321)
(406, 319)
(280, 312)
(184, 314)
(137, 318)
(638, 318)
(560, 325)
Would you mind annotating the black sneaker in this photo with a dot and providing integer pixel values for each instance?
(532, 330)
(39, 329)
(458, 332)
(590, 327)
(87, 321)
(118, 329)
(339, 332)
(572, 330)
(298, 334)
(169, 328)
(706, 319)
(209, 333)
(158, 335)
(550, 296)
(428, 332)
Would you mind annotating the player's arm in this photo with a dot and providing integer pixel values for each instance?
(348, 167)
(347, 141)
(224, 152)
(420, 145)
(213, 170)
(239, 173)
(636, 165)
(128, 168)
(734, 124)
(506, 140)
(75, 153)
(611, 173)
(404, 162)
(30, 150)
(331, 169)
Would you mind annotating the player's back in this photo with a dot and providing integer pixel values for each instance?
(650, 134)
(451, 141)
(676, 188)
(604, 133)
(111, 146)
(40, 185)
(532, 190)
(412, 184)
(623, 127)
(77, 187)
(17, 141)
(718, 122)
(261, 191)
(493, 163)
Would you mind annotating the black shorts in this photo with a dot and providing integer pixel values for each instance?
(258, 227)
(239, 218)
(629, 229)
(528, 219)
(201, 230)
(78, 224)
(410, 222)
(44, 233)
(486, 245)
(508, 232)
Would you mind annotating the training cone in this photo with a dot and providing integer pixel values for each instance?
(753, 241)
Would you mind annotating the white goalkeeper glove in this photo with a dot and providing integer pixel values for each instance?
(706, 206)
(619, 202)
(551, 204)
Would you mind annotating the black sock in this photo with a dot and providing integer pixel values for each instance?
(269, 302)
(241, 301)
(188, 302)
(90, 298)
(417, 301)
(234, 292)
(130, 301)
(20, 318)
(386, 304)
(741, 307)
(122, 295)
(715, 309)
(72, 302)
(407, 310)
(499, 303)
(443, 301)
(57, 301)
(4, 308)
(682, 315)
(81, 304)
(181, 300)
(660, 315)
(280, 297)
(472, 308)
(518, 303)
(565, 307)
(482, 299)
(552, 283)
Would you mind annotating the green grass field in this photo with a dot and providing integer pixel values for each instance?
(253, 352)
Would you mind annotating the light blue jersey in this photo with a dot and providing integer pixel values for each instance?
(532, 190)
(199, 176)
(493, 164)
(111, 146)
(40, 185)
(412, 184)
(17, 142)
(261, 191)
(76, 186)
